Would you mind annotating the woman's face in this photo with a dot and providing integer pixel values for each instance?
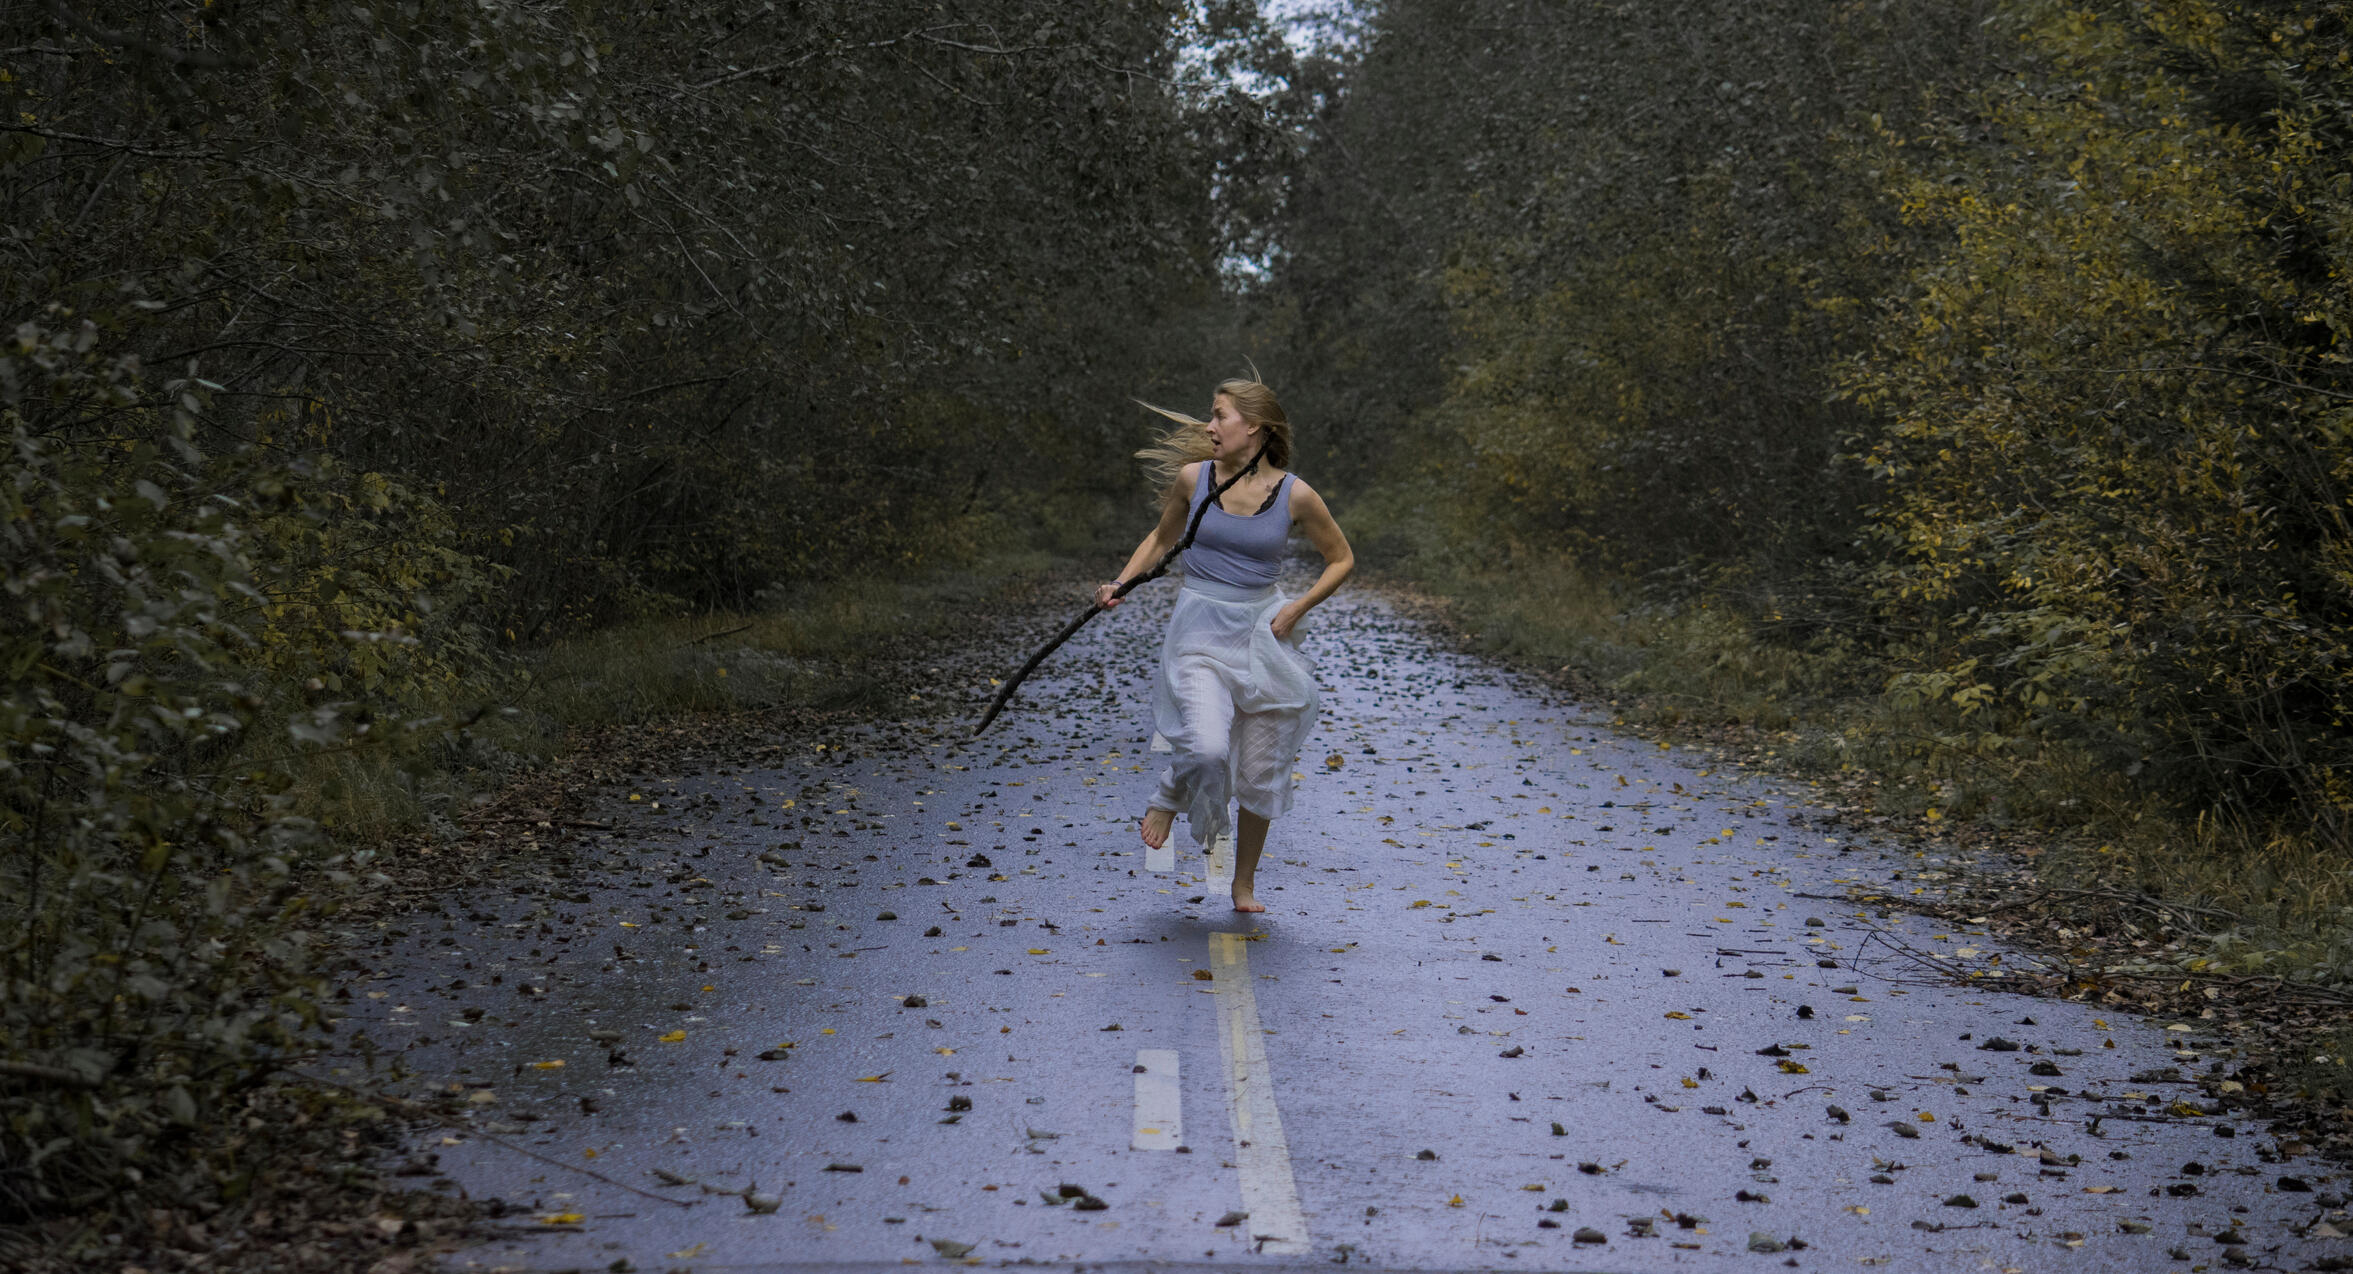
(1231, 437)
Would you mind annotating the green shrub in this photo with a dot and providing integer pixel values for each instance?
(152, 949)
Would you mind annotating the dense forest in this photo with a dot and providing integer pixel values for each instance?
(1992, 352)
(1981, 364)
(357, 348)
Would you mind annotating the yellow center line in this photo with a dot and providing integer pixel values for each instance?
(1270, 1194)
(1220, 855)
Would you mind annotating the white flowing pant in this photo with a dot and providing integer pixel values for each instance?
(1231, 704)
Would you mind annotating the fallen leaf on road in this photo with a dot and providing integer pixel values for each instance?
(949, 1248)
(674, 1037)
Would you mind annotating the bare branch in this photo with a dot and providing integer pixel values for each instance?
(100, 35)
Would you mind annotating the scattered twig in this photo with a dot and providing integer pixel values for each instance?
(57, 1075)
(729, 632)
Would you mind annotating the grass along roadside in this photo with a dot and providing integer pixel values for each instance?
(2242, 928)
(824, 647)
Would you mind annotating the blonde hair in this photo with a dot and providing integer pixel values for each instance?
(1168, 455)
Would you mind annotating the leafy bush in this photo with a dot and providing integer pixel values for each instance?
(2119, 455)
(152, 950)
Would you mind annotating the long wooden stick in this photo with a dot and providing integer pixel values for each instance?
(1005, 691)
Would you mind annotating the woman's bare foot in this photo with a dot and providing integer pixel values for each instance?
(1246, 899)
(1156, 825)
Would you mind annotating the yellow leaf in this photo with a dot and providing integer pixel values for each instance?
(589, 1152)
(1927, 1118)
(556, 1065)
(635, 797)
(1534, 1187)
(1790, 1066)
(1419, 902)
(1689, 1082)
(1037, 951)
(2100, 1189)
(875, 1079)
(1454, 1202)
(674, 1037)
(563, 1218)
(1679, 1015)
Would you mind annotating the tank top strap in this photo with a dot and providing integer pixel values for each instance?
(1282, 507)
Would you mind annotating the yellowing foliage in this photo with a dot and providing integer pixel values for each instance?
(2116, 462)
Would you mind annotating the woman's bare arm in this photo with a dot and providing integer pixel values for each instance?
(1174, 505)
(1314, 517)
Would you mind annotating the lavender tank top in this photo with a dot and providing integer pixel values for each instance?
(1245, 551)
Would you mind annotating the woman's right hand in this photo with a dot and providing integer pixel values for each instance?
(1106, 596)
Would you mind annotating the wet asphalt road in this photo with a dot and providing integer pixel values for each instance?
(1528, 995)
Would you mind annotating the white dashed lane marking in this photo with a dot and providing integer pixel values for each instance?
(1160, 1120)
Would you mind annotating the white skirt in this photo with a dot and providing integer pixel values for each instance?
(1231, 703)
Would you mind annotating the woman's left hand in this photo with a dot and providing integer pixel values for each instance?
(1287, 619)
